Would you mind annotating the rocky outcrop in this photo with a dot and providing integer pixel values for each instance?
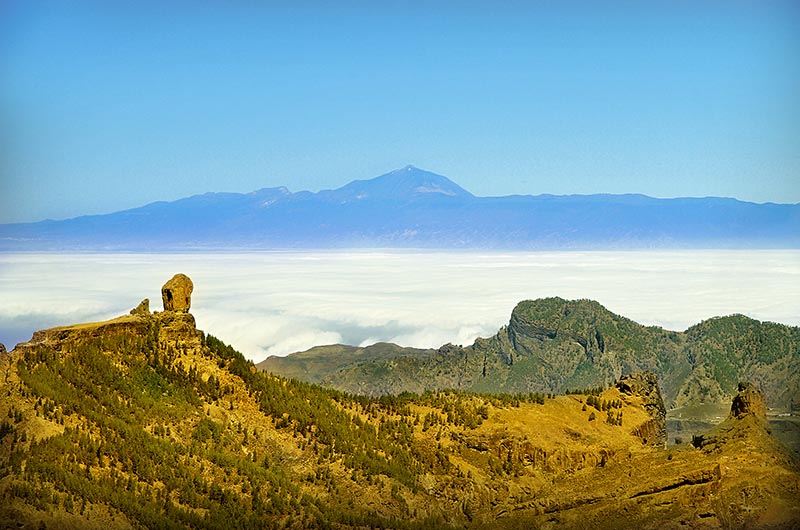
(143, 308)
(748, 413)
(177, 294)
(174, 326)
(57, 338)
(530, 455)
(2, 348)
(644, 384)
(749, 401)
(178, 328)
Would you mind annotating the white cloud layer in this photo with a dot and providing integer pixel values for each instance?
(274, 303)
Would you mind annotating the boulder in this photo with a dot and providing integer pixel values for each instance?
(749, 401)
(142, 309)
(177, 294)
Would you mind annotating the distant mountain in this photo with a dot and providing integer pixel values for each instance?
(554, 345)
(404, 184)
(413, 208)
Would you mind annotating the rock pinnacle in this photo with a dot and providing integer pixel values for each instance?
(177, 294)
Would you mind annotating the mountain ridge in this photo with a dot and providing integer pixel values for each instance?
(414, 208)
(554, 345)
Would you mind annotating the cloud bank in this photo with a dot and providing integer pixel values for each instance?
(274, 303)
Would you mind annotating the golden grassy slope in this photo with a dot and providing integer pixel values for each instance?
(526, 465)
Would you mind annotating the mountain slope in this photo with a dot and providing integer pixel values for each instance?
(553, 345)
(143, 421)
(413, 208)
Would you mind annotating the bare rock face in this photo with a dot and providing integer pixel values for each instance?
(2, 348)
(178, 327)
(749, 401)
(177, 294)
(749, 408)
(142, 309)
(645, 385)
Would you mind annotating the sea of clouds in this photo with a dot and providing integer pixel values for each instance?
(274, 303)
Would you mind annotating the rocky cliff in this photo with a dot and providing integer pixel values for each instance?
(644, 385)
(554, 345)
(749, 401)
(174, 325)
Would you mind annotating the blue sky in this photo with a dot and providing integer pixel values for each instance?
(110, 105)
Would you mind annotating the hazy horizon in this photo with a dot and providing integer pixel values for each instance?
(274, 303)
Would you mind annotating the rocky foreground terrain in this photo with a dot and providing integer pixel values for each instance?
(146, 422)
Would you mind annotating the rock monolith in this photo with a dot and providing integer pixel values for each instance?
(177, 294)
(749, 400)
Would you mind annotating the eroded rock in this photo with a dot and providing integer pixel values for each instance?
(177, 294)
(749, 408)
(142, 309)
(644, 384)
(749, 401)
(178, 327)
(2, 348)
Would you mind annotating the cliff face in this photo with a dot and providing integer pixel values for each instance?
(57, 338)
(644, 385)
(554, 345)
(174, 325)
(580, 344)
(749, 401)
